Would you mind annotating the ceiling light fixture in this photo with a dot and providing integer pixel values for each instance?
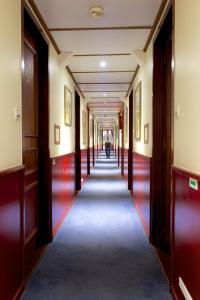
(103, 64)
(96, 12)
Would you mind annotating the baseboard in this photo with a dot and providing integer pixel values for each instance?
(19, 292)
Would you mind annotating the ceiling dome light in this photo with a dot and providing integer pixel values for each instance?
(96, 12)
(103, 64)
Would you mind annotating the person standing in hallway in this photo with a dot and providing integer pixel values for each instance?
(107, 148)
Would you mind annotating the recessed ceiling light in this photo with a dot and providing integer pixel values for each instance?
(103, 64)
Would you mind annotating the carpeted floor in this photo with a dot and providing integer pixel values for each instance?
(101, 251)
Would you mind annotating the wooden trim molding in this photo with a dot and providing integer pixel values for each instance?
(96, 72)
(103, 83)
(115, 91)
(155, 24)
(74, 80)
(143, 27)
(36, 11)
(102, 54)
(11, 170)
(105, 98)
(132, 81)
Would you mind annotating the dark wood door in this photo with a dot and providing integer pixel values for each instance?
(35, 140)
(130, 149)
(30, 145)
(77, 142)
(122, 141)
(162, 137)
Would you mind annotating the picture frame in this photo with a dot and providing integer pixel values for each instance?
(67, 106)
(137, 111)
(84, 127)
(56, 134)
(146, 133)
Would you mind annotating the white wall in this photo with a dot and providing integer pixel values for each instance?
(10, 83)
(58, 79)
(187, 84)
(145, 75)
(83, 108)
(126, 124)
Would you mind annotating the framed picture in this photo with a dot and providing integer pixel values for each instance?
(137, 111)
(84, 128)
(67, 106)
(146, 133)
(56, 134)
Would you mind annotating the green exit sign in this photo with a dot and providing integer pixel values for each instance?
(193, 183)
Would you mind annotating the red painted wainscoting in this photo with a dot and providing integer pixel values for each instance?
(126, 165)
(11, 233)
(83, 165)
(141, 188)
(63, 188)
(186, 233)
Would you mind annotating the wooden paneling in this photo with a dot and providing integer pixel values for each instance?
(186, 233)
(141, 188)
(63, 188)
(11, 233)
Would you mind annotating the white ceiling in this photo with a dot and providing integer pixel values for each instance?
(75, 31)
(74, 13)
(101, 41)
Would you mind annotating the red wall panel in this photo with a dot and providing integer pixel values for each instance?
(141, 188)
(126, 165)
(11, 232)
(186, 233)
(83, 164)
(63, 188)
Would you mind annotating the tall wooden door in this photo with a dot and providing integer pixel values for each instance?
(30, 146)
(162, 157)
(77, 142)
(35, 142)
(122, 143)
(130, 149)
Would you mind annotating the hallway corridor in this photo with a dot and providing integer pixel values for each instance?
(101, 251)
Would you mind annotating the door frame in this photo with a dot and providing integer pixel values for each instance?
(156, 181)
(122, 148)
(93, 143)
(30, 24)
(77, 142)
(88, 141)
(130, 148)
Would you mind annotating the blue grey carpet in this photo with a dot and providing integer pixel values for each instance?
(101, 252)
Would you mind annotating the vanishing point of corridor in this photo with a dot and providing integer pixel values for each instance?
(101, 252)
